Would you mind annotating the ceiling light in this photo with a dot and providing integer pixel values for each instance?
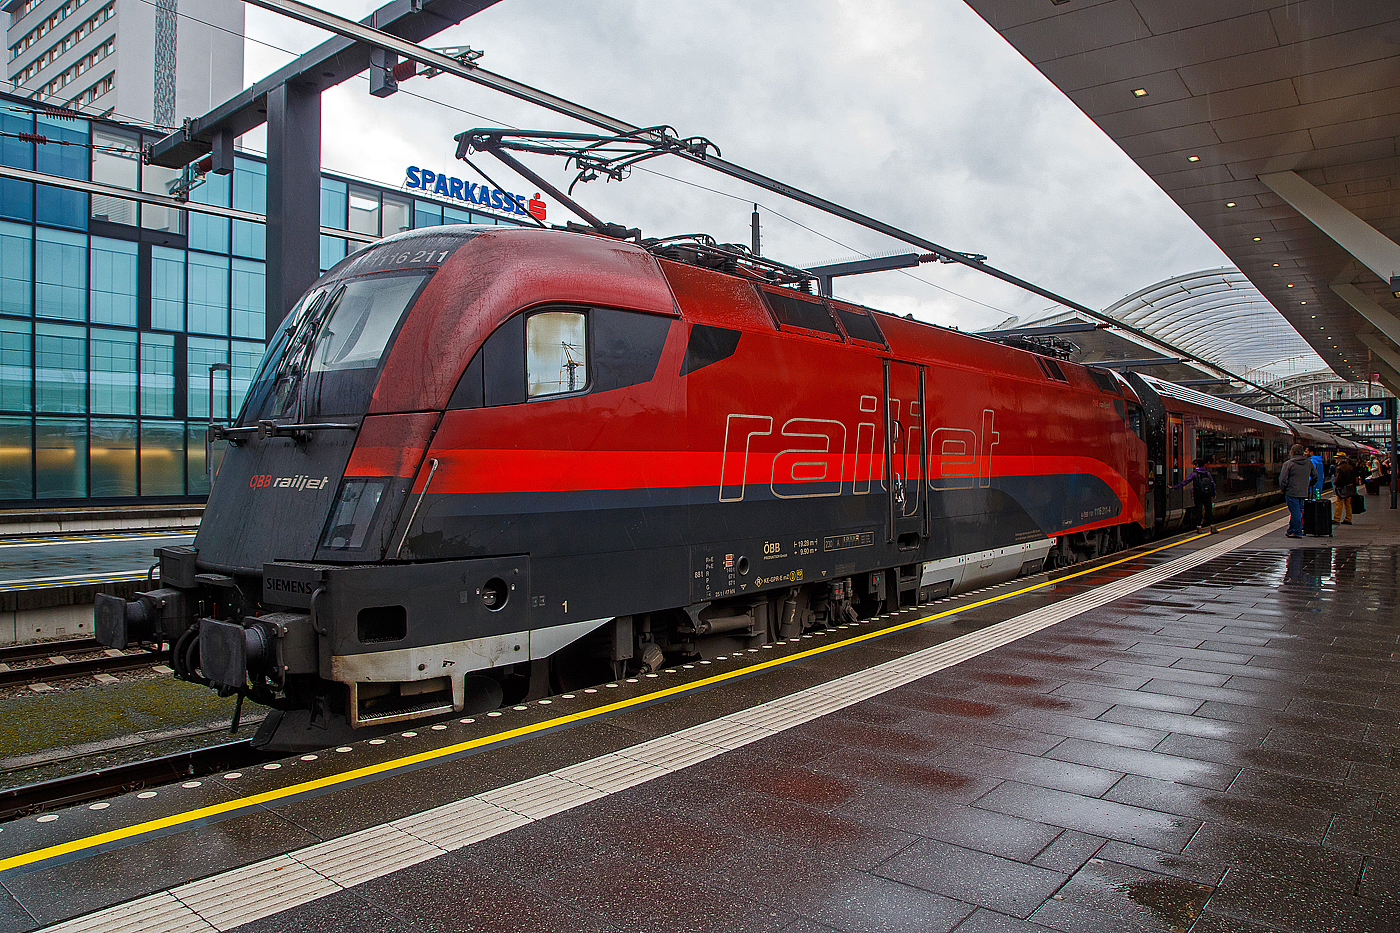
(1193, 158)
(1289, 285)
(1275, 265)
(1305, 302)
(1258, 238)
(1140, 92)
(1395, 286)
(1229, 203)
(1314, 317)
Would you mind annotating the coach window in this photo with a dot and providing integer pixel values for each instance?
(1135, 421)
(556, 352)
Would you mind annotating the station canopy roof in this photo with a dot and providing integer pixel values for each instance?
(1272, 124)
(1220, 316)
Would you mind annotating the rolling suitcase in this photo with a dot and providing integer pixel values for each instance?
(1317, 517)
(1358, 504)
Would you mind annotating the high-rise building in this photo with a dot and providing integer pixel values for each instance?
(145, 61)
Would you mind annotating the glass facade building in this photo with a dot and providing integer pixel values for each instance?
(113, 312)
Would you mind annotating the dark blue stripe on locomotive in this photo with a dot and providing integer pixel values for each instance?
(553, 523)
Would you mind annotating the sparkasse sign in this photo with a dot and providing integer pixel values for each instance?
(480, 195)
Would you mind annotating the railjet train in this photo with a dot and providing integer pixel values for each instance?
(483, 464)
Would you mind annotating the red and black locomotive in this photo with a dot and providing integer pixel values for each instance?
(478, 464)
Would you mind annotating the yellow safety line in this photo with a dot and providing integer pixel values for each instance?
(119, 537)
(49, 583)
(345, 777)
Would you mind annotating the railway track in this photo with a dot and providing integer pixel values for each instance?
(51, 661)
(121, 779)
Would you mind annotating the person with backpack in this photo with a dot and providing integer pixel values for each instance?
(1203, 491)
(1319, 478)
(1295, 478)
(1344, 481)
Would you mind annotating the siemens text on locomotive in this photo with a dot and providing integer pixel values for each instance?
(481, 464)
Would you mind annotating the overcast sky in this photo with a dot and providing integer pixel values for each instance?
(912, 111)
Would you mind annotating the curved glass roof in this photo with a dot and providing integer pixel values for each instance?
(1220, 316)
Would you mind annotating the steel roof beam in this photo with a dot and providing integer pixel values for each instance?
(1374, 249)
(1047, 330)
(333, 61)
(1135, 364)
(159, 200)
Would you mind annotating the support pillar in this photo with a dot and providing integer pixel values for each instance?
(1381, 319)
(1374, 249)
(1384, 360)
(293, 197)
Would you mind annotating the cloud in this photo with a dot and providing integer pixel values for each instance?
(912, 111)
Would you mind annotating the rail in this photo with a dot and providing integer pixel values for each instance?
(94, 785)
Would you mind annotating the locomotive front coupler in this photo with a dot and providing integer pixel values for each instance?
(159, 615)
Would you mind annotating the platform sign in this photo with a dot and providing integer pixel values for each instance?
(1358, 409)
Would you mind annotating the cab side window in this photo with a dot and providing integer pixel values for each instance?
(556, 352)
(562, 351)
(1135, 422)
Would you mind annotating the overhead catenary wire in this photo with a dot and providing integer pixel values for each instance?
(360, 32)
(462, 110)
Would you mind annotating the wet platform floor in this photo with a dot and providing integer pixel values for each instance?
(1215, 752)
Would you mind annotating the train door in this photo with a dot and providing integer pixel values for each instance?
(905, 455)
(1176, 458)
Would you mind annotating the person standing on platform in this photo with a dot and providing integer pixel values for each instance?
(1203, 492)
(1296, 479)
(1344, 482)
(1315, 489)
(1373, 478)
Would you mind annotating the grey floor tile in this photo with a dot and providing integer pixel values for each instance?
(1068, 852)
(1095, 730)
(1367, 836)
(1147, 671)
(989, 921)
(1181, 769)
(834, 895)
(798, 784)
(1137, 896)
(1090, 815)
(986, 831)
(975, 877)
(1116, 696)
(1274, 904)
(784, 823)
(1031, 769)
(1380, 880)
(1264, 759)
(1307, 863)
(335, 913)
(1267, 815)
(1171, 864)
(13, 917)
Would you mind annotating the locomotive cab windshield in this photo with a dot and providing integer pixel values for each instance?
(324, 362)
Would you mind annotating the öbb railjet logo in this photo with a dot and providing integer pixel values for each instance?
(296, 483)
